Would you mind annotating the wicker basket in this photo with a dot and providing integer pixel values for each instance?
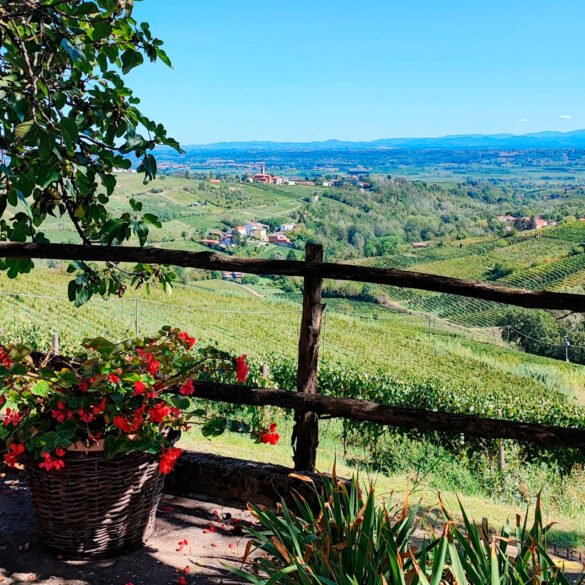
(96, 507)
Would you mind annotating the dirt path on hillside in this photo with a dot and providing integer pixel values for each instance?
(249, 289)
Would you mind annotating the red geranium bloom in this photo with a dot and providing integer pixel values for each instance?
(50, 463)
(159, 412)
(113, 378)
(99, 408)
(83, 386)
(12, 417)
(271, 437)
(138, 419)
(187, 389)
(189, 341)
(139, 388)
(10, 458)
(241, 369)
(4, 359)
(153, 366)
(59, 452)
(58, 415)
(121, 423)
(168, 459)
(85, 416)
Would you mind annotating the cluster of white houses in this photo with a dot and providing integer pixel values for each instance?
(254, 231)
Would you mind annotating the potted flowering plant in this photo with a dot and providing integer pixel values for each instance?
(96, 433)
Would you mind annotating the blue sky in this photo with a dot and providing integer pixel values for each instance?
(360, 70)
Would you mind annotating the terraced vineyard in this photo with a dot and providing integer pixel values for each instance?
(535, 260)
(571, 232)
(355, 334)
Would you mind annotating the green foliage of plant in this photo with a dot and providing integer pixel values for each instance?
(67, 122)
(347, 539)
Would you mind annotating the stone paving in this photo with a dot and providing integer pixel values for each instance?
(213, 534)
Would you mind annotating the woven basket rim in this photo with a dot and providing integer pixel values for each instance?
(84, 455)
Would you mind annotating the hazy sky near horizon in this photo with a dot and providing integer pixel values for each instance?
(304, 70)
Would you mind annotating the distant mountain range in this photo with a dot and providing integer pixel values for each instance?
(574, 139)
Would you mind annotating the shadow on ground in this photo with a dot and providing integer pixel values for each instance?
(213, 533)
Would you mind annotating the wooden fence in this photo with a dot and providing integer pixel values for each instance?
(307, 404)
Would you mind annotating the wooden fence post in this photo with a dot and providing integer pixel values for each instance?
(55, 343)
(305, 436)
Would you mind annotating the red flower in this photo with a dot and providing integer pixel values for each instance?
(85, 416)
(11, 457)
(1, 400)
(12, 417)
(113, 378)
(59, 452)
(189, 341)
(241, 369)
(83, 386)
(153, 366)
(4, 359)
(100, 407)
(121, 423)
(58, 415)
(50, 463)
(187, 389)
(138, 419)
(167, 461)
(139, 388)
(159, 412)
(271, 437)
(181, 581)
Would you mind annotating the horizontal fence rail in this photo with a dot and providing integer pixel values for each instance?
(327, 270)
(306, 402)
(408, 418)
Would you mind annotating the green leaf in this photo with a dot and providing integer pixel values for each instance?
(74, 51)
(69, 131)
(214, 427)
(41, 388)
(101, 30)
(131, 59)
(152, 220)
(22, 129)
(148, 167)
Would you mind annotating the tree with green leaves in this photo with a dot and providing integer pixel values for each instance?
(67, 124)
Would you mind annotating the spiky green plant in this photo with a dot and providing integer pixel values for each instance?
(347, 540)
(517, 556)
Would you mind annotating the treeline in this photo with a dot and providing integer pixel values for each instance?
(547, 334)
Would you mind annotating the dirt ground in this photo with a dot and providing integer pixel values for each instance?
(213, 533)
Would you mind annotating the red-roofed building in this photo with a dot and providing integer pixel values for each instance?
(280, 239)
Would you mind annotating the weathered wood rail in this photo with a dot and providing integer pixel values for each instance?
(326, 270)
(307, 403)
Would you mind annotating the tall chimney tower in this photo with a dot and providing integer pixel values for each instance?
(263, 169)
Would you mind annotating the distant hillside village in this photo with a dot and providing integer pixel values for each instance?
(267, 179)
(256, 232)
